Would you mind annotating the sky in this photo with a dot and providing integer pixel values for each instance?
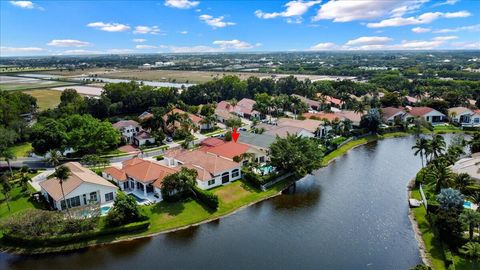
(196, 26)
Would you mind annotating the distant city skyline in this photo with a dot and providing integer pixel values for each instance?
(29, 28)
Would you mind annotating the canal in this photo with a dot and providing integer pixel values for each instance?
(352, 214)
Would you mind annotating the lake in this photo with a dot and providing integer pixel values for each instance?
(352, 214)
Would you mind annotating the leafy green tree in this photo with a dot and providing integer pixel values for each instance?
(371, 120)
(421, 267)
(6, 188)
(295, 154)
(24, 179)
(8, 156)
(62, 173)
(184, 180)
(48, 134)
(125, 210)
(462, 181)
(233, 122)
(472, 251)
(474, 143)
(53, 157)
(471, 219)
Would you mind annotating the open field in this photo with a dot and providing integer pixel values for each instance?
(179, 76)
(46, 98)
(11, 83)
(22, 69)
(81, 89)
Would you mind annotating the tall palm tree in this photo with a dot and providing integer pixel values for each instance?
(471, 219)
(62, 173)
(8, 156)
(172, 118)
(420, 147)
(443, 175)
(437, 146)
(53, 157)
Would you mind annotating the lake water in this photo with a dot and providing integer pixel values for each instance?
(352, 214)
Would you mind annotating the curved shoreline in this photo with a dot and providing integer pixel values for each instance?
(53, 250)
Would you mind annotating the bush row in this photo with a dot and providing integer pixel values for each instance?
(206, 197)
(74, 237)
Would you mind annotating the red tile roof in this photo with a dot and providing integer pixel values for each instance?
(116, 173)
(147, 171)
(212, 142)
(388, 112)
(195, 119)
(420, 111)
(322, 116)
(229, 149)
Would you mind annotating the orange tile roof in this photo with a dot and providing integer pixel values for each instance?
(307, 124)
(78, 176)
(211, 142)
(229, 149)
(195, 119)
(116, 173)
(148, 172)
(211, 163)
(322, 116)
(420, 111)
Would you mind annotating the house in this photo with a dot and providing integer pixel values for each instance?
(196, 120)
(145, 116)
(354, 117)
(282, 132)
(213, 170)
(470, 166)
(334, 102)
(428, 114)
(83, 187)
(464, 116)
(223, 115)
(141, 177)
(143, 138)
(312, 104)
(243, 108)
(323, 116)
(392, 114)
(128, 129)
(305, 128)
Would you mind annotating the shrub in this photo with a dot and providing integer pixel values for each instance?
(125, 210)
(159, 157)
(206, 197)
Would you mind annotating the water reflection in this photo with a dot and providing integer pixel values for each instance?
(184, 236)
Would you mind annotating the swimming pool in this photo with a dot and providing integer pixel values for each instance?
(266, 169)
(104, 210)
(467, 204)
(138, 199)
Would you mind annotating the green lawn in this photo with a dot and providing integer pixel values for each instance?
(46, 99)
(21, 150)
(446, 129)
(165, 216)
(18, 202)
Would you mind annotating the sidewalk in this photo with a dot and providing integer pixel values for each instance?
(39, 178)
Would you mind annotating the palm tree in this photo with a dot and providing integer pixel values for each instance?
(471, 219)
(475, 198)
(209, 121)
(462, 180)
(8, 156)
(172, 118)
(471, 250)
(420, 147)
(62, 173)
(24, 179)
(437, 146)
(443, 175)
(53, 157)
(6, 188)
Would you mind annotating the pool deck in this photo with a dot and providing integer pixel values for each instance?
(150, 198)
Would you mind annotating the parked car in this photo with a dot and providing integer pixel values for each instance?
(169, 139)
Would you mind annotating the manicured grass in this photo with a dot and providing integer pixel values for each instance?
(164, 216)
(46, 99)
(21, 150)
(216, 132)
(446, 129)
(29, 86)
(18, 202)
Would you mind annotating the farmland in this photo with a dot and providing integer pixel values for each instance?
(10, 83)
(46, 98)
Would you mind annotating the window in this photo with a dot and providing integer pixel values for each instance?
(262, 159)
(109, 197)
(476, 120)
(75, 201)
(225, 177)
(235, 173)
(211, 182)
(93, 196)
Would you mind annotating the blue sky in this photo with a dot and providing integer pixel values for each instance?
(178, 26)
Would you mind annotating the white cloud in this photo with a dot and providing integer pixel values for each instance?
(68, 43)
(184, 32)
(467, 45)
(447, 2)
(233, 44)
(215, 22)
(139, 40)
(182, 4)
(120, 51)
(418, 45)
(143, 47)
(425, 18)
(141, 29)
(109, 27)
(81, 52)
(194, 49)
(368, 41)
(23, 4)
(444, 38)
(347, 10)
(292, 9)
(420, 30)
(475, 27)
(10, 50)
(323, 46)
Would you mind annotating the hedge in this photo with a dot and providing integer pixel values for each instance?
(206, 197)
(74, 237)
